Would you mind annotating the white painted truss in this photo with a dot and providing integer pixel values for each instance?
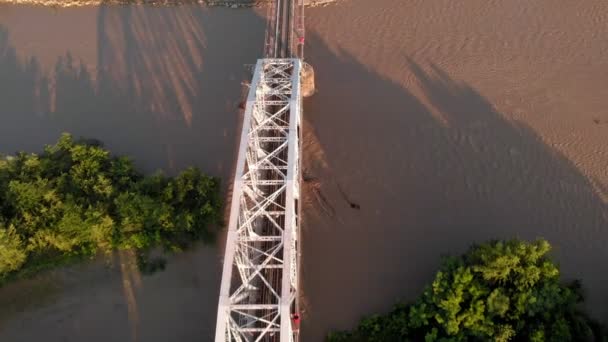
(258, 295)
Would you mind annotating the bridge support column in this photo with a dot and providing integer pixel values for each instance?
(308, 80)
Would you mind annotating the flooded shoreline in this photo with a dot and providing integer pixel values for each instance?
(436, 124)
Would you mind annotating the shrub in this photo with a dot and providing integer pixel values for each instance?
(76, 200)
(498, 291)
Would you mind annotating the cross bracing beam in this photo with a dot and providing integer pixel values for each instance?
(258, 295)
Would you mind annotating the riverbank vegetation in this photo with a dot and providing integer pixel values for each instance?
(498, 291)
(76, 201)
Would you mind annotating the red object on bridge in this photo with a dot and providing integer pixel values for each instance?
(296, 321)
(301, 40)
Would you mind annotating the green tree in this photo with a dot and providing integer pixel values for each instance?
(77, 200)
(498, 291)
(12, 251)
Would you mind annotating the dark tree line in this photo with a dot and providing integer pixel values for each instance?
(75, 200)
(499, 291)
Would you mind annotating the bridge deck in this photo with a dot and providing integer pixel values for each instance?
(258, 296)
(285, 29)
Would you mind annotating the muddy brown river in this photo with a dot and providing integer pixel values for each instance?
(436, 124)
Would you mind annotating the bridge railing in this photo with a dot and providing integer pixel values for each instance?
(299, 30)
(296, 28)
(270, 35)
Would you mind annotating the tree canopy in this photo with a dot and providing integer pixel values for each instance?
(498, 291)
(76, 200)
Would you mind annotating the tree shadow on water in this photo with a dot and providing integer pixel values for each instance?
(180, 68)
(435, 168)
(24, 98)
(163, 89)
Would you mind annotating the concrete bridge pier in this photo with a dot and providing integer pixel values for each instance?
(308, 80)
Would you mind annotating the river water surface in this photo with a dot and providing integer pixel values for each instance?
(161, 85)
(436, 124)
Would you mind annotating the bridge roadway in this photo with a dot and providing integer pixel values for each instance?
(285, 29)
(259, 292)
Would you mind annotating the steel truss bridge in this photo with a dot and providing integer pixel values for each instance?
(259, 291)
